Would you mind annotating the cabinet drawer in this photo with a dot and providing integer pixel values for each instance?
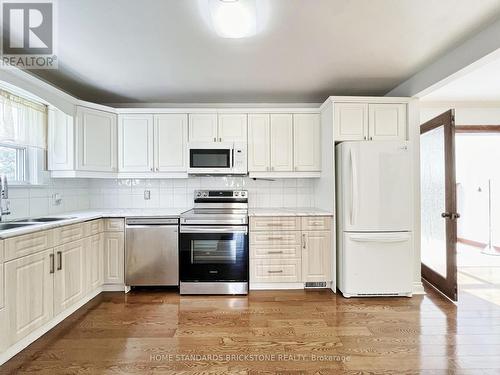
(275, 270)
(91, 228)
(316, 223)
(275, 244)
(68, 233)
(27, 244)
(114, 225)
(274, 223)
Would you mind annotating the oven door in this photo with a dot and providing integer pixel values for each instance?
(213, 253)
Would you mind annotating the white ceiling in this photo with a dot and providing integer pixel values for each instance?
(481, 84)
(160, 51)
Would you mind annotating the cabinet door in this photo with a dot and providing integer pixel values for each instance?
(114, 258)
(306, 143)
(259, 138)
(387, 122)
(96, 132)
(94, 262)
(316, 256)
(232, 127)
(29, 288)
(171, 133)
(350, 121)
(69, 280)
(281, 143)
(203, 127)
(60, 146)
(135, 143)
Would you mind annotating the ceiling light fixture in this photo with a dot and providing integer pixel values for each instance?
(231, 18)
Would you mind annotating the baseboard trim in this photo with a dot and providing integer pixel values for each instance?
(113, 288)
(35, 335)
(277, 286)
(418, 288)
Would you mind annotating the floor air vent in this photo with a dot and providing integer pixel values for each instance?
(320, 284)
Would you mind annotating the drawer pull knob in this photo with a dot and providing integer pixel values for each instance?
(275, 252)
(280, 271)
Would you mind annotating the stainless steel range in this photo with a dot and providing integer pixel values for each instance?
(214, 243)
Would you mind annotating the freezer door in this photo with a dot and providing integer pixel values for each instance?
(377, 264)
(376, 183)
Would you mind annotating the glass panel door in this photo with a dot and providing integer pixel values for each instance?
(438, 204)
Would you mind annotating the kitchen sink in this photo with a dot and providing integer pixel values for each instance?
(48, 219)
(5, 226)
(45, 219)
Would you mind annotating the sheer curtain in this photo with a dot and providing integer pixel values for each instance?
(22, 122)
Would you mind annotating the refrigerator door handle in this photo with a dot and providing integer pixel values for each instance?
(354, 190)
(381, 238)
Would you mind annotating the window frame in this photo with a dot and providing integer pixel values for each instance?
(21, 162)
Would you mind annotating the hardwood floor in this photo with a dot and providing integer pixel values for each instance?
(286, 332)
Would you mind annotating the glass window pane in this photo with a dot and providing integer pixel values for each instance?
(433, 200)
(9, 162)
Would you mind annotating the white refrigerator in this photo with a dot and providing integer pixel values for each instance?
(374, 200)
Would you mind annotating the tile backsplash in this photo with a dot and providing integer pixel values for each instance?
(55, 196)
(178, 193)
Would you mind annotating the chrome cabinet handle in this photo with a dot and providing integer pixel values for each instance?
(364, 137)
(51, 260)
(220, 139)
(215, 139)
(274, 224)
(275, 252)
(59, 260)
(275, 238)
(303, 241)
(280, 271)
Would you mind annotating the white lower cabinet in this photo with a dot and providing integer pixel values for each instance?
(69, 277)
(316, 256)
(290, 249)
(94, 262)
(114, 258)
(29, 302)
(38, 282)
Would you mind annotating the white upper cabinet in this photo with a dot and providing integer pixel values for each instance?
(232, 128)
(259, 138)
(387, 122)
(96, 140)
(306, 142)
(135, 143)
(369, 121)
(281, 143)
(203, 127)
(350, 121)
(171, 135)
(60, 141)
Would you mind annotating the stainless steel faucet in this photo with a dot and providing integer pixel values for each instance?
(4, 196)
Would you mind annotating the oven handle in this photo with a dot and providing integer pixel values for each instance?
(214, 229)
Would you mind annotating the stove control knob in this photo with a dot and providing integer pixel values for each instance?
(198, 194)
(236, 193)
(243, 193)
(205, 194)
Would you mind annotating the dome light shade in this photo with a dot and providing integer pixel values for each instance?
(233, 18)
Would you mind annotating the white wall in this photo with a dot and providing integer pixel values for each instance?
(465, 114)
(178, 193)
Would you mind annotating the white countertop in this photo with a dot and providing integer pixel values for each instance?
(301, 211)
(81, 216)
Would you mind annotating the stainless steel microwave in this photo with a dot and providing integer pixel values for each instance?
(217, 158)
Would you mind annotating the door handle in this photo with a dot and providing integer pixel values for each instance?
(59, 260)
(51, 260)
(450, 215)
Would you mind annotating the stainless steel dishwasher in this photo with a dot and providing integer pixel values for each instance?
(151, 251)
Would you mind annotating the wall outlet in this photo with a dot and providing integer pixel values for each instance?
(56, 199)
(147, 195)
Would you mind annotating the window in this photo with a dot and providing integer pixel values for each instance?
(23, 138)
(12, 163)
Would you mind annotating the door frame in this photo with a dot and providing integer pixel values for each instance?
(446, 285)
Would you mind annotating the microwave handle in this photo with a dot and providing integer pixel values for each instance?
(232, 157)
